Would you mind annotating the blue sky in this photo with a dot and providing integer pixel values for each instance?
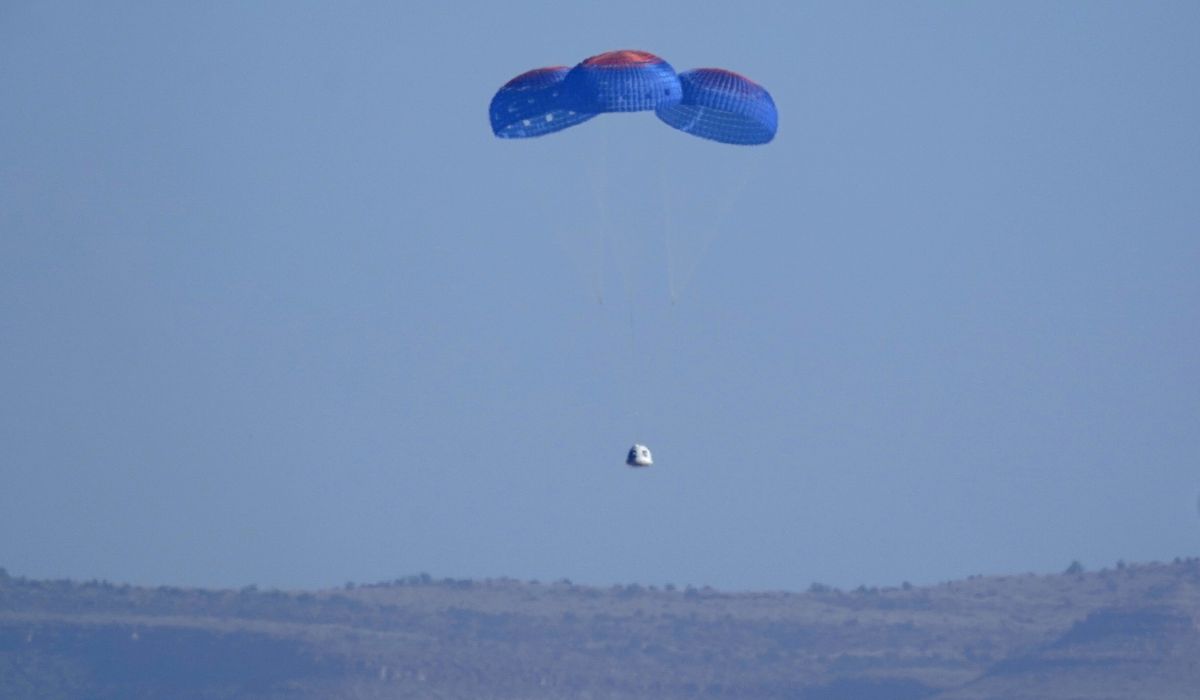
(276, 308)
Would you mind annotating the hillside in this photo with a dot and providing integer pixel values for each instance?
(1128, 632)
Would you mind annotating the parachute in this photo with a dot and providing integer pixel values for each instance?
(533, 104)
(623, 81)
(723, 106)
(711, 103)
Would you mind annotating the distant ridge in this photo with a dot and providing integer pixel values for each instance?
(1127, 632)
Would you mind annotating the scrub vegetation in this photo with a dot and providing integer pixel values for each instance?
(1123, 632)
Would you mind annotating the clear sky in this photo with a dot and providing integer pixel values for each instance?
(277, 308)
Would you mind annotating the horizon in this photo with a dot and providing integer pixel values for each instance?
(1074, 568)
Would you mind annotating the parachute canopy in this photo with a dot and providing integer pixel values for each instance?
(711, 103)
(623, 81)
(532, 104)
(723, 106)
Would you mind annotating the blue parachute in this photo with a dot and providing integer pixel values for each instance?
(533, 104)
(722, 106)
(623, 81)
(711, 103)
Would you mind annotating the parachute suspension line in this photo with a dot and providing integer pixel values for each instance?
(624, 241)
(625, 262)
(598, 181)
(598, 176)
(617, 247)
(667, 195)
(712, 228)
(635, 402)
(733, 194)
